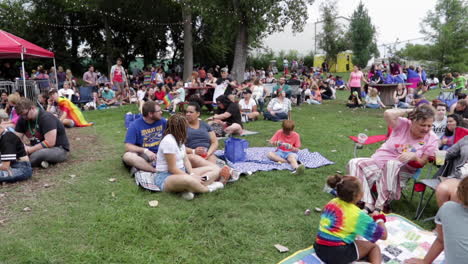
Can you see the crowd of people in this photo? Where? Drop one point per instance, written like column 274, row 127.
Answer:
column 177, row 154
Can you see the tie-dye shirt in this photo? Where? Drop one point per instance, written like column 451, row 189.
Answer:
column 341, row 222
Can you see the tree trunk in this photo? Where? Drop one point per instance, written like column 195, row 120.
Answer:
column 108, row 45
column 188, row 48
column 240, row 50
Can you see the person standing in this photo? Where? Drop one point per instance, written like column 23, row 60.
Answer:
column 354, row 82
column 90, row 78
column 118, row 77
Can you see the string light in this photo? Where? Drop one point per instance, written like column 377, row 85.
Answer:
column 209, row 10
column 64, row 26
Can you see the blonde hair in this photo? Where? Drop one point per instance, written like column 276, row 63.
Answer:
column 373, row 92
column 13, row 98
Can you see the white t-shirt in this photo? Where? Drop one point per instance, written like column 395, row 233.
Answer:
column 68, row 93
column 257, row 91
column 439, row 127
column 141, row 95
column 168, row 145
column 247, row 107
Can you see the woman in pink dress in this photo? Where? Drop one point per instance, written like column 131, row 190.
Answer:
column 355, row 78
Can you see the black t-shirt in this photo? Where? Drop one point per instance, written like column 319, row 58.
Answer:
column 235, row 117
column 293, row 82
column 11, row 147
column 229, row 88
column 45, row 123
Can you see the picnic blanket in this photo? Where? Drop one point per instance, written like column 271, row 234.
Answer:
column 405, row 240
column 257, row 160
column 244, row 133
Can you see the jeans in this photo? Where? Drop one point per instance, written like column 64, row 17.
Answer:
column 276, row 117
column 373, row 106
column 312, row 101
column 51, row 155
column 261, row 104
column 402, row 105
column 19, row 171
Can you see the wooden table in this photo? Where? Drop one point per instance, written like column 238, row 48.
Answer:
column 386, row 92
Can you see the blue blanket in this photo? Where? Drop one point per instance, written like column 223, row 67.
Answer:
column 257, row 160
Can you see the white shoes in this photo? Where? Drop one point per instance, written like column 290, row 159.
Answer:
column 215, row 186
column 188, row 196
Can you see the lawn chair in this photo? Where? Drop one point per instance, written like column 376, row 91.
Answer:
column 422, row 185
column 369, row 141
column 86, row 95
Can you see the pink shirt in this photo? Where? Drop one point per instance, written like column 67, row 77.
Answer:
column 355, row 79
column 293, row 138
column 400, row 141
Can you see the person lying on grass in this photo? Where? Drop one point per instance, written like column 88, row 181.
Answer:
column 341, row 221
column 53, row 108
column 174, row 173
column 287, row 143
column 451, row 230
column 14, row 165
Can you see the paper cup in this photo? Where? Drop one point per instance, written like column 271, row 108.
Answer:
column 362, row 138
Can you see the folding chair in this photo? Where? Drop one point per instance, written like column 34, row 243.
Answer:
column 86, row 95
column 432, row 183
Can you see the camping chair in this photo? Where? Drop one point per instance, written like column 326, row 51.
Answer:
column 369, row 141
column 447, row 96
column 86, row 95
column 421, row 186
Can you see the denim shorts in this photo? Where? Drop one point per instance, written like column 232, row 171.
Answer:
column 160, row 178
column 285, row 154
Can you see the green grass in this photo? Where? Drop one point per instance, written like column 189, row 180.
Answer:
column 78, row 220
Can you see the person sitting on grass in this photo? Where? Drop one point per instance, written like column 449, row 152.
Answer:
column 179, row 96
column 229, row 116
column 287, row 143
column 174, row 173
column 451, row 234
column 53, row 108
column 339, row 83
column 143, row 138
column 14, row 165
column 354, row 101
column 446, row 140
column 279, row 108
column 373, row 99
column 108, row 96
column 342, row 221
column 399, row 97
column 315, row 96
column 45, row 133
column 248, row 106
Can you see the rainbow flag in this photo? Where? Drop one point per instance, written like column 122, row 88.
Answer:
column 73, row 112
column 168, row 99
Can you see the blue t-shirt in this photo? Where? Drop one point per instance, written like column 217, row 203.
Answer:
column 146, row 135
column 199, row 137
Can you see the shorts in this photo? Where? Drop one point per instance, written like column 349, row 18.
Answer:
column 285, row 154
column 337, row 255
column 160, row 178
column 142, row 155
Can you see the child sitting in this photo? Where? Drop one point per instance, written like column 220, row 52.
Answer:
column 354, row 101
column 288, row 143
column 179, row 96
column 341, row 221
column 315, row 96
column 339, row 83
column 373, row 99
column 451, row 236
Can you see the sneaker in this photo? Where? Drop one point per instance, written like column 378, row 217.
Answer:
column 45, row 164
column 235, row 175
column 215, row 186
column 188, row 196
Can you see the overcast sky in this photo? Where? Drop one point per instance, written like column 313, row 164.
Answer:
column 393, row 19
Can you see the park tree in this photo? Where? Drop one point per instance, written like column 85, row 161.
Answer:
column 362, row 35
column 447, row 28
column 331, row 38
column 416, row 52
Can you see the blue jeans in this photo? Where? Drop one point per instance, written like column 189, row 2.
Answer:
column 373, row 106
column 276, row 117
column 19, row 171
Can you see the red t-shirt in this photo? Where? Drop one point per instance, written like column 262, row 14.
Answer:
column 293, row 138
column 159, row 95
column 118, row 75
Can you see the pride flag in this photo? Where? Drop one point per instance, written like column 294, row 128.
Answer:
column 168, row 99
column 73, row 112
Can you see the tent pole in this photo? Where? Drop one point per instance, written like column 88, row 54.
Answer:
column 56, row 78
column 24, row 74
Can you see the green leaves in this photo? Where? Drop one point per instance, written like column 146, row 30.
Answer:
column 362, row 35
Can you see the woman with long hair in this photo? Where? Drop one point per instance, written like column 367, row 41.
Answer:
column 174, row 173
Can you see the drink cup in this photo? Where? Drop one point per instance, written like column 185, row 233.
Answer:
column 362, row 138
column 440, row 157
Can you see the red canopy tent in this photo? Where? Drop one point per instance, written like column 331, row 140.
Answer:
column 13, row 47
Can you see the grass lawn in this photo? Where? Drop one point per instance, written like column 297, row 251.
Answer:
column 78, row 216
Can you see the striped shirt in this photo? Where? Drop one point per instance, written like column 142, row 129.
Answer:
column 11, row 147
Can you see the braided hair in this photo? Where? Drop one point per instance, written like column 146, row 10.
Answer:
column 177, row 127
